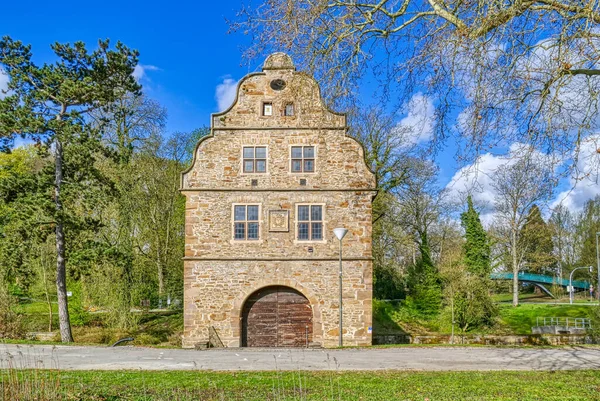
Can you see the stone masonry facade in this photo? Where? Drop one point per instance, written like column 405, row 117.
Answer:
column 277, row 109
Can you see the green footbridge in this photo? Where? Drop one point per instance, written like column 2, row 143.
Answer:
column 540, row 281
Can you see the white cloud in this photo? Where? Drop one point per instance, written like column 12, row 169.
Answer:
column 225, row 93
column 584, row 183
column 477, row 179
column 21, row 142
column 420, row 118
column 139, row 72
column 3, row 83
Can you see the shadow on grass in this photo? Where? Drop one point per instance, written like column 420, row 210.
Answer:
column 384, row 324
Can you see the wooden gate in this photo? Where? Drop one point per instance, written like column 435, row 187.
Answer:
column 276, row 317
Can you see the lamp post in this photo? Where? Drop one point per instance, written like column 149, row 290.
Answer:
column 571, row 281
column 340, row 233
column 598, row 268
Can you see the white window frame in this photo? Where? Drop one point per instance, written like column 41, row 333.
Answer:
column 290, row 171
column 233, row 221
column 285, row 105
column 297, row 222
column 243, row 172
column 263, row 109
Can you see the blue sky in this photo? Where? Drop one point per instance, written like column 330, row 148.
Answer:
column 186, row 42
column 189, row 62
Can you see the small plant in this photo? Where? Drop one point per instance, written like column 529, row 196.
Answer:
column 10, row 322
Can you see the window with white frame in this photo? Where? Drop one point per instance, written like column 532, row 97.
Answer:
column 267, row 109
column 309, row 222
column 255, row 159
column 246, row 222
column 303, row 159
column 288, row 111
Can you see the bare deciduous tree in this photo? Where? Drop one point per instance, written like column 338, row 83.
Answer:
column 519, row 186
column 563, row 228
column 129, row 122
column 500, row 72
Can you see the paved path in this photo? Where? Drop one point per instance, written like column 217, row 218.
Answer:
column 404, row 358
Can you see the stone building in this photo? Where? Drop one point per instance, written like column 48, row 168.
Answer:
column 265, row 190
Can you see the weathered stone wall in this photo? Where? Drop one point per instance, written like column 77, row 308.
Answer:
column 339, row 162
column 220, row 272
column 215, row 292
column 209, row 225
column 532, row 339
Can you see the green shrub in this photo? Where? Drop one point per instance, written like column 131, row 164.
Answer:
column 77, row 313
column 10, row 321
column 146, row 339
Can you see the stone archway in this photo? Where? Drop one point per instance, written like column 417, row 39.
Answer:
column 277, row 316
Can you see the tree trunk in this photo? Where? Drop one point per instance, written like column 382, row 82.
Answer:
column 43, row 265
column 515, row 267
column 160, row 273
column 61, row 271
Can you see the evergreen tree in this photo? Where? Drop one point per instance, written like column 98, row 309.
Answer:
column 51, row 104
column 476, row 248
column 537, row 244
column 427, row 287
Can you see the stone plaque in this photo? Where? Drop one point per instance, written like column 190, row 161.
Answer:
column 279, row 221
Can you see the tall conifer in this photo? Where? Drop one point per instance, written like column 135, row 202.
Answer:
column 477, row 244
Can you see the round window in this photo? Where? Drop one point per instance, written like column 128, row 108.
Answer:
column 277, row 84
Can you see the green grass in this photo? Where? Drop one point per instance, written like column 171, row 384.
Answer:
column 164, row 329
column 519, row 320
column 298, row 385
column 154, row 328
column 504, row 297
column 35, row 307
column 395, row 318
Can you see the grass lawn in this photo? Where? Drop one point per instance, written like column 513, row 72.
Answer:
column 519, row 320
column 165, row 328
column 394, row 318
column 154, row 328
column 522, row 297
column 439, row 386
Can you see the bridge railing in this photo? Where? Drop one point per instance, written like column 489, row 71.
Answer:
column 574, row 322
column 539, row 278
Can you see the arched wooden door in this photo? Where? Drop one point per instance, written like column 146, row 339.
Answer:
column 276, row 317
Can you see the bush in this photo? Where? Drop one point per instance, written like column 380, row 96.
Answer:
column 175, row 339
column 10, row 322
column 473, row 306
column 388, row 283
column 595, row 318
column 97, row 335
column 427, row 295
column 146, row 339
column 77, row 313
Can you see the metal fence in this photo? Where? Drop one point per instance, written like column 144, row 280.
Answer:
column 574, row 322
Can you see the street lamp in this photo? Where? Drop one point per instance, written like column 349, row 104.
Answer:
column 571, row 281
column 340, row 233
column 598, row 267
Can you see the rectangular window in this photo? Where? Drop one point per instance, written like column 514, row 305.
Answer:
column 267, row 109
column 303, row 159
column 310, row 222
column 246, row 222
column 289, row 110
column 255, row 159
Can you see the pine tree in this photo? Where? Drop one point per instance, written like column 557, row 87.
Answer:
column 477, row 244
column 52, row 104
